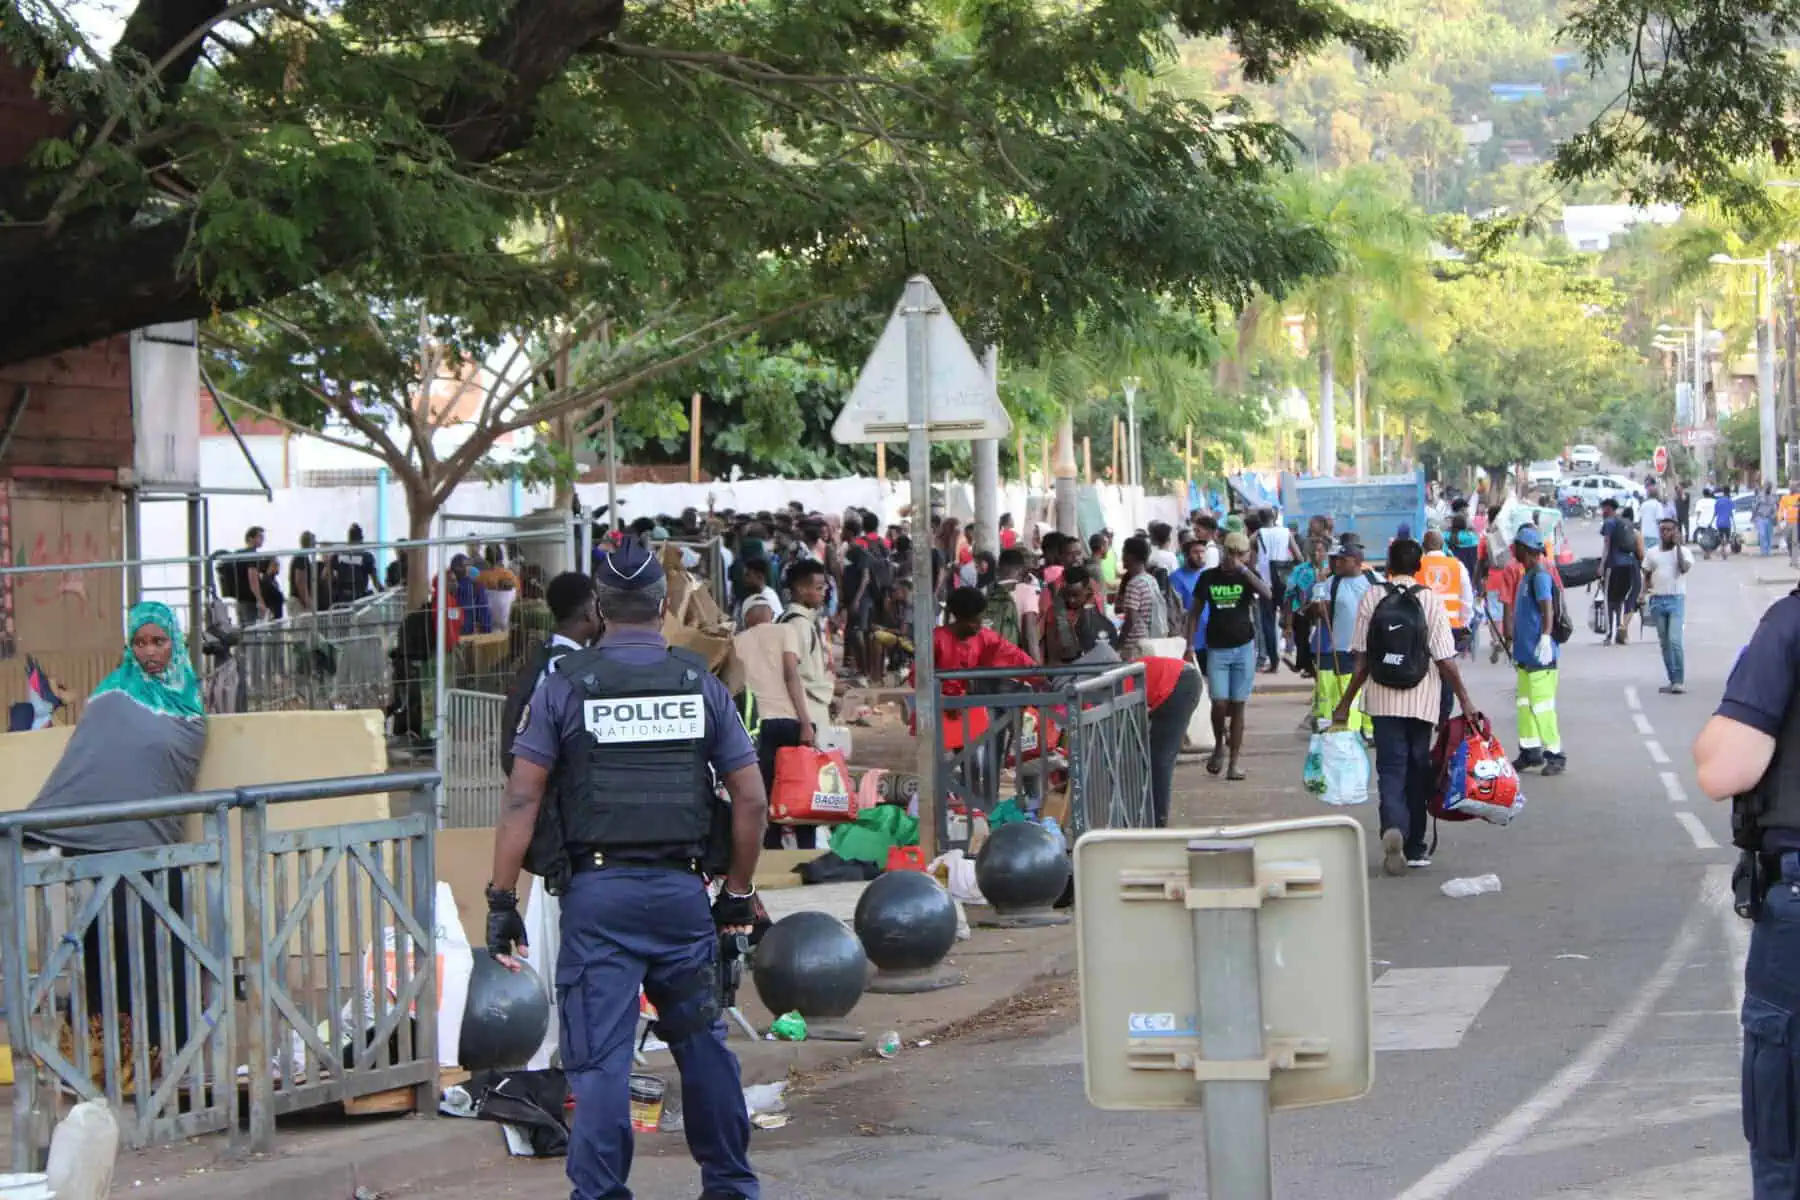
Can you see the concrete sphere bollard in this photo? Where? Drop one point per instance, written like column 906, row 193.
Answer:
column 810, row 963
column 907, row 924
column 1022, row 870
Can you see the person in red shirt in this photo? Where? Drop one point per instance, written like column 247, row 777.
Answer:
column 1009, row 537
column 963, row 643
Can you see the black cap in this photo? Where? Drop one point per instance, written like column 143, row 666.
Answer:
column 1348, row 544
column 630, row 568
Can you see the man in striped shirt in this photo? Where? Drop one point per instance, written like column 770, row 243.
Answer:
column 1405, row 718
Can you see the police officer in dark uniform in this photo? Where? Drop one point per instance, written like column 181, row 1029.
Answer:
column 1749, row 753
column 636, row 732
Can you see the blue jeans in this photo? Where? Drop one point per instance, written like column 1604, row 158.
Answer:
column 623, row 927
column 1667, row 612
column 1231, row 673
column 1404, row 775
column 1772, row 1039
column 1765, row 535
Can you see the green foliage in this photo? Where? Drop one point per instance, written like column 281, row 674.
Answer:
column 990, row 143
column 1740, row 446
column 1709, row 88
column 1531, row 351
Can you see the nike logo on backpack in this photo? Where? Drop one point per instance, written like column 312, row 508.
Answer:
column 1391, row 628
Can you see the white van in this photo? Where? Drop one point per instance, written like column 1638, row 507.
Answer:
column 1584, row 458
column 1545, row 475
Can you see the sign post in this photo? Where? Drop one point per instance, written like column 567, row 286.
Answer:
column 924, row 607
column 922, row 379
column 1231, row 1023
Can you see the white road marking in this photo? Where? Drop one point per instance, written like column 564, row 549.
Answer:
column 1695, row 830
column 1430, row 1008
column 1643, row 724
column 1657, row 753
column 1672, row 785
column 1631, row 699
column 1516, row 1126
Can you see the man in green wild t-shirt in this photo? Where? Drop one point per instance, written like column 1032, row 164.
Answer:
column 1229, row 594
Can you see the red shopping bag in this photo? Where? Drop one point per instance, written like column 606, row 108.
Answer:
column 1475, row 781
column 812, row 787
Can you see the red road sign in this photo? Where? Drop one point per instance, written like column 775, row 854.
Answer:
column 1660, row 460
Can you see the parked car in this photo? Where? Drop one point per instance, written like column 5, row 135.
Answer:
column 1584, row 458
column 1544, row 476
column 1590, row 490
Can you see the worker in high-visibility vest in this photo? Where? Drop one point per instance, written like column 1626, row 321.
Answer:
column 1445, row 575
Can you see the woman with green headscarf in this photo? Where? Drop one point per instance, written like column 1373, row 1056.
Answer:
column 139, row 738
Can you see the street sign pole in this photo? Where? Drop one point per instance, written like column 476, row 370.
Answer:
column 918, row 466
column 1234, row 1092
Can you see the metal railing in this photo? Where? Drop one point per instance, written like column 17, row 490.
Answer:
column 158, row 978
column 335, row 659
column 1029, row 733
column 1109, row 752
column 473, row 780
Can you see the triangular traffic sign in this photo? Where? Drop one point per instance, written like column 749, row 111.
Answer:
column 961, row 403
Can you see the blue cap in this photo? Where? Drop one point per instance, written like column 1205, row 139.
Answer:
column 630, row 568
column 1529, row 537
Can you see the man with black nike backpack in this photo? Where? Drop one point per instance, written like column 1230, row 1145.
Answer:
column 1404, row 644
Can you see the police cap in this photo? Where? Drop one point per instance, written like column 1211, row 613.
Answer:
column 630, row 568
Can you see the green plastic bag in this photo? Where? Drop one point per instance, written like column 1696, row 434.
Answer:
column 873, row 833
column 1006, row 812
column 789, row 1027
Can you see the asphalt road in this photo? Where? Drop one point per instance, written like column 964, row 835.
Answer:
column 1581, row 1040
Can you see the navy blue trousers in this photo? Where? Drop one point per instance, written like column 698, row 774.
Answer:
column 621, row 928
column 1772, row 1040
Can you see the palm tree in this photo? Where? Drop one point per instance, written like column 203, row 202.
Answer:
column 1382, row 241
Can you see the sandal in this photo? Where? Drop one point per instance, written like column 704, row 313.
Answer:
column 1215, row 763
column 1236, row 773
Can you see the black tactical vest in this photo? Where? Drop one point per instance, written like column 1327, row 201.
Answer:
column 636, row 780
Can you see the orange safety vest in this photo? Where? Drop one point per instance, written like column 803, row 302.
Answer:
column 1438, row 572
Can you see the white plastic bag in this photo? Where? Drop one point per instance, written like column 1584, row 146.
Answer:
column 1346, row 768
column 455, row 965
column 956, row 871
column 543, row 933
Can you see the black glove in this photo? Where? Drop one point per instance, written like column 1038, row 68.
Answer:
column 505, row 928
column 729, row 910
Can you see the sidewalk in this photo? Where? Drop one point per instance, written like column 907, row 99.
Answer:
column 325, row 1156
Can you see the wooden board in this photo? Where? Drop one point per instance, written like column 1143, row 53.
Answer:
column 402, row 1099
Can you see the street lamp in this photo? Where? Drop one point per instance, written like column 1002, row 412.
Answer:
column 1134, row 467
column 1765, row 355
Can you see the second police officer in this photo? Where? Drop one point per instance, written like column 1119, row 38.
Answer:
column 636, row 732
column 1749, row 752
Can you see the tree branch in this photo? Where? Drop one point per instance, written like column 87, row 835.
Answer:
column 69, row 291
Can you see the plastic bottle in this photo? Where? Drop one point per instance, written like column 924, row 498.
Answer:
column 889, row 1045
column 1476, row 886
column 1051, row 824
